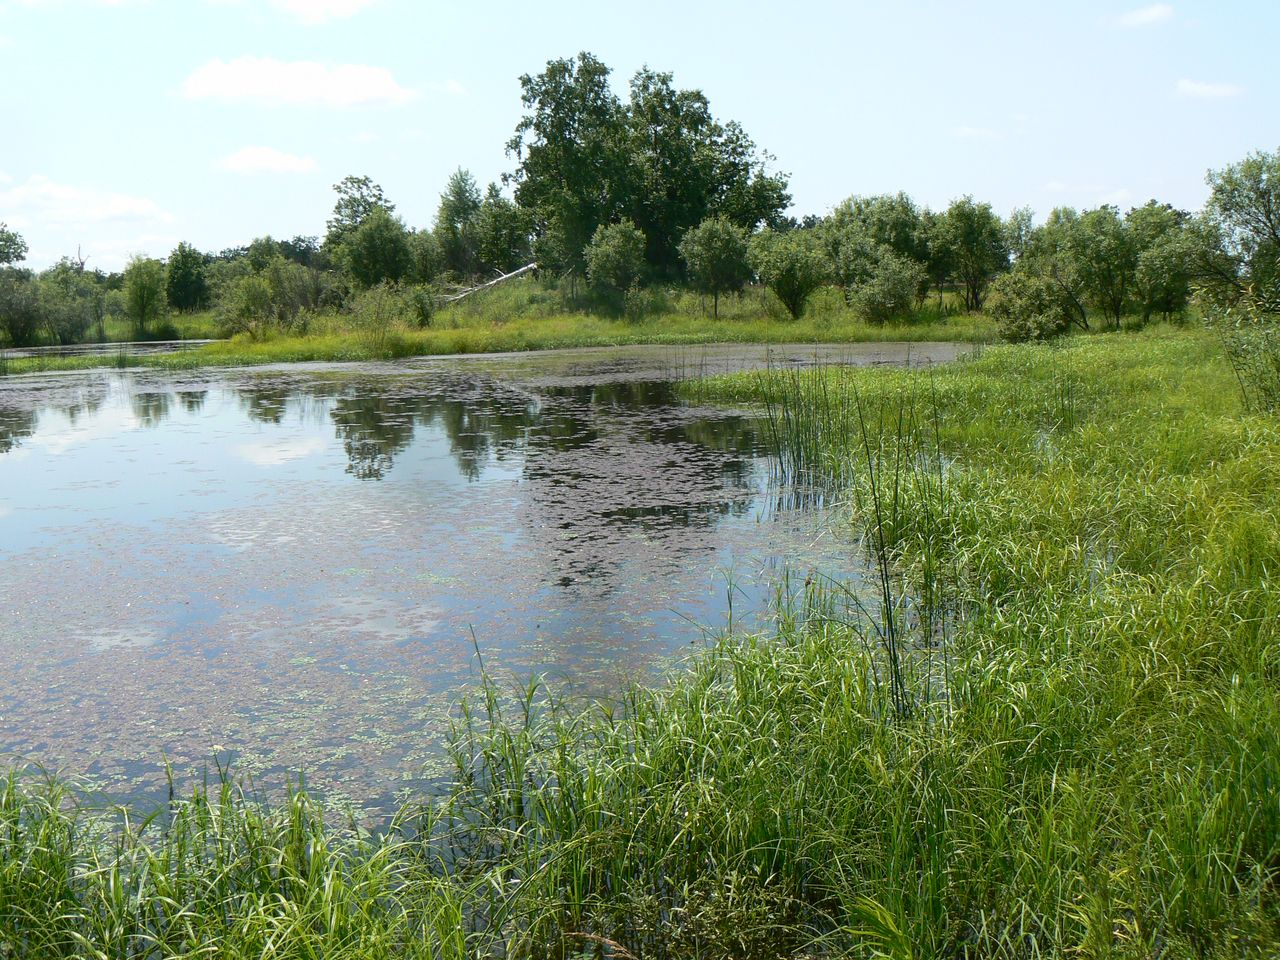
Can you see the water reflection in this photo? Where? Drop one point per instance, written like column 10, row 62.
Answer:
column 292, row 565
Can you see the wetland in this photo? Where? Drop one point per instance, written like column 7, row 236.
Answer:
column 301, row 569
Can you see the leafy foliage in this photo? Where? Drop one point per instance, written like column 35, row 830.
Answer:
column 715, row 253
column 145, row 299
column 792, row 264
column 890, row 289
column 378, row 250
column 661, row 160
column 185, row 284
column 13, row 248
column 615, row 257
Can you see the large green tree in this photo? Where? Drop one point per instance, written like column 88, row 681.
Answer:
column 358, row 197
column 1107, row 258
column 661, row 160
column 572, row 157
column 144, row 294
column 1244, row 208
column 501, row 229
column 615, row 256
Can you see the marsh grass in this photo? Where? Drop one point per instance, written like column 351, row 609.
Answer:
column 1079, row 757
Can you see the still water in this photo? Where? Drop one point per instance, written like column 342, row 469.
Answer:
column 299, row 568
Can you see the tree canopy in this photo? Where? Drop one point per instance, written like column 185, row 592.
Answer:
column 660, row 160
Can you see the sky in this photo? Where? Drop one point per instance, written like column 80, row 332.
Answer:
column 129, row 125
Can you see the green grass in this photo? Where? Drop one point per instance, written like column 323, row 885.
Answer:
column 530, row 316
column 1053, row 729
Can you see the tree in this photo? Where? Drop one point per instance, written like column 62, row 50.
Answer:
column 455, row 219
column 1244, row 207
column 378, row 249
column 892, row 221
column 661, row 160
column 144, row 294
column 1165, row 256
column 19, row 307
column 684, row 166
column 715, row 252
column 1050, row 253
column 501, row 230
column 187, row 287
column 791, row 264
column 615, row 256
column 71, row 301
column 13, row 249
column 358, row 197
column 1107, row 258
column 973, row 240
column 426, row 257
column 572, row 155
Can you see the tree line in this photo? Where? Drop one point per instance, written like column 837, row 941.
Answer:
column 620, row 192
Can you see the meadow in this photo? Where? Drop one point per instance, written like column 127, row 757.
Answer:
column 1052, row 727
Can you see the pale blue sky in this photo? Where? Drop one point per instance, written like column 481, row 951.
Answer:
column 127, row 125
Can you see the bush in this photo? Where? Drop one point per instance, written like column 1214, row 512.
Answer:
column 890, row 290
column 793, row 265
column 615, row 257
column 1249, row 325
column 1027, row 306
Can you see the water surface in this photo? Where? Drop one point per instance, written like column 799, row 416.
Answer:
column 300, row 567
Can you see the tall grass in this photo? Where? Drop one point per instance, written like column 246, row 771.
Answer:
column 220, row 873
column 1079, row 754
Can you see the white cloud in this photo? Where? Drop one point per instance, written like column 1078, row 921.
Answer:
column 1208, row 91
column 1117, row 198
column 975, row 133
column 279, row 452
column 1146, row 16
column 299, row 82
column 5, row 41
column 266, row 160
column 5, row 178
column 1055, row 186
column 47, row 203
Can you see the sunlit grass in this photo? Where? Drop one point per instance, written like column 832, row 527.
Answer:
column 531, row 317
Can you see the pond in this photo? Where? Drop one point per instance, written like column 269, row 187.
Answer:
column 302, row 567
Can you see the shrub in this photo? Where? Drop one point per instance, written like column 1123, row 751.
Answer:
column 793, row 265
column 1027, row 306
column 890, row 290
column 716, row 254
column 615, row 257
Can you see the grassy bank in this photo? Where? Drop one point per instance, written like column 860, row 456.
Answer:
column 1055, row 733
column 532, row 317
